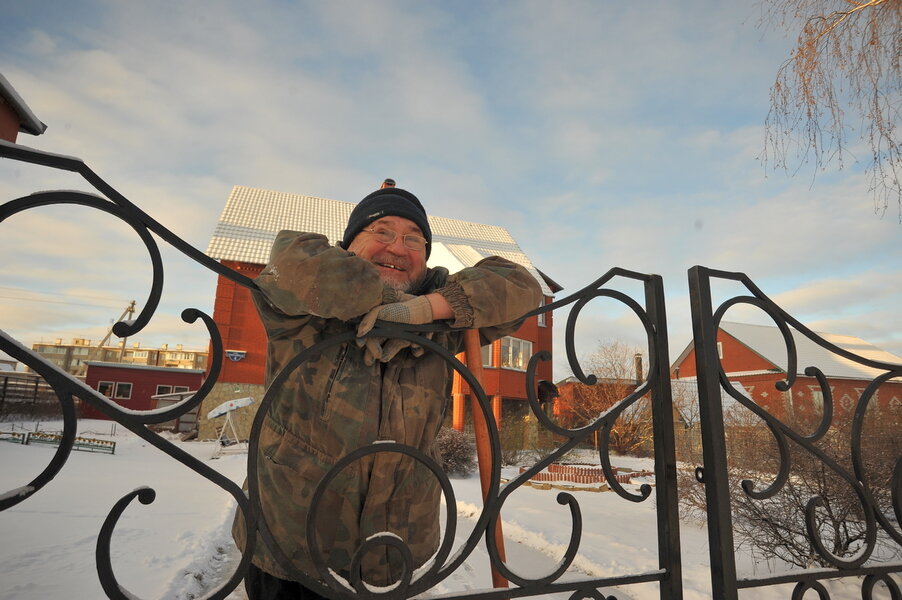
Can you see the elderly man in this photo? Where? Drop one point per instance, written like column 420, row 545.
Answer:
column 354, row 394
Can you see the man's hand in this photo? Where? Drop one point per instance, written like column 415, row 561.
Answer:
column 415, row 311
column 382, row 350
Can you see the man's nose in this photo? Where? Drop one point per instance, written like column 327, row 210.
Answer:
column 397, row 246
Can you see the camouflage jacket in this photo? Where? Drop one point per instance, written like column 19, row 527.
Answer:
column 335, row 403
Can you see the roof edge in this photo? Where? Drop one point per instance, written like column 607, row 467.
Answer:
column 29, row 122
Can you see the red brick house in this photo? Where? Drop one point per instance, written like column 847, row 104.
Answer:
column 242, row 239
column 132, row 386
column 15, row 116
column 755, row 356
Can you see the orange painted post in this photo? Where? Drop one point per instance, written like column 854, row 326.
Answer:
column 483, row 448
column 458, row 410
column 496, row 410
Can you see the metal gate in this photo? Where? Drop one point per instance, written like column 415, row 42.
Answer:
column 650, row 312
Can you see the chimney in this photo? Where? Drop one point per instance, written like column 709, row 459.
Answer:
column 637, row 361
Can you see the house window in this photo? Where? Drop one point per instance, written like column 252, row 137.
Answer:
column 163, row 389
column 515, row 353
column 123, row 390
column 487, row 355
column 105, row 388
column 179, row 389
column 541, row 316
column 140, row 354
column 720, row 350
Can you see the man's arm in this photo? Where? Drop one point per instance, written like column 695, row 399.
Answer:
column 492, row 296
column 306, row 275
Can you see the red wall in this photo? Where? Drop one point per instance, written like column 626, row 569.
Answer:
column 144, row 385
column 739, row 358
column 9, row 123
column 240, row 327
column 736, row 357
column 511, row 383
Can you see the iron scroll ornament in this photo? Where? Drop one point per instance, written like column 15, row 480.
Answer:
column 712, row 378
column 66, row 387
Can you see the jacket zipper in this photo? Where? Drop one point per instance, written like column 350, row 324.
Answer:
column 339, row 363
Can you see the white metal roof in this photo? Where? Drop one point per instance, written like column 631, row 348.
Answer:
column 252, row 217
column 767, row 342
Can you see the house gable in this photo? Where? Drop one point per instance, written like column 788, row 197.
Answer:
column 735, row 357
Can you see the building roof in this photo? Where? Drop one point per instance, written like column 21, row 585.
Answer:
column 252, row 217
column 28, row 122
column 767, row 342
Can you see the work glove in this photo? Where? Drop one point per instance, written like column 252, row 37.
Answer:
column 391, row 347
column 415, row 311
column 382, row 350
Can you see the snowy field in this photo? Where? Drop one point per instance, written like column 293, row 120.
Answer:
column 179, row 546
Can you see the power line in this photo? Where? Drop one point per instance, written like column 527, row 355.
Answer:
column 19, row 289
column 60, row 302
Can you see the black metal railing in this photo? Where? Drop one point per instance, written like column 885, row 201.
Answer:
column 650, row 311
column 796, row 447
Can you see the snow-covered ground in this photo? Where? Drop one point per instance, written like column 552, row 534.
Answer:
column 179, row 546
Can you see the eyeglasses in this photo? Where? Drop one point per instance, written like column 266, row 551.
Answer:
column 387, row 236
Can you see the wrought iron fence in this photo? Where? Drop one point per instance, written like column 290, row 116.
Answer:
column 730, row 496
column 650, row 312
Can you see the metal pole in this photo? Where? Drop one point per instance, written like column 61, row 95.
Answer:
column 714, row 451
column 669, row 557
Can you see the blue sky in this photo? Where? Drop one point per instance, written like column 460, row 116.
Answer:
column 600, row 134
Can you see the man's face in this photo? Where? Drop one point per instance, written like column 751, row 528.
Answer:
column 399, row 267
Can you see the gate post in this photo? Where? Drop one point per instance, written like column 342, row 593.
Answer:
column 669, row 557
column 714, row 471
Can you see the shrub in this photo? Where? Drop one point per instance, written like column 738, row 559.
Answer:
column 457, row 452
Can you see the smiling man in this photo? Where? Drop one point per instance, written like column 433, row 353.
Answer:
column 368, row 390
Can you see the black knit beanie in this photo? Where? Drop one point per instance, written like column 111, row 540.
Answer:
column 383, row 203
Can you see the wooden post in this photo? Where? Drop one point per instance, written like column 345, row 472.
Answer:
column 483, row 448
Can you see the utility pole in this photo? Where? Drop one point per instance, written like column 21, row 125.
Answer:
column 131, row 311
column 82, row 368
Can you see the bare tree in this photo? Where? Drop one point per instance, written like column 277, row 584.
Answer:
column 774, row 528
column 687, row 421
column 846, row 63
column 613, row 363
